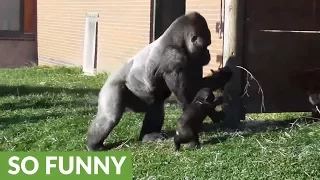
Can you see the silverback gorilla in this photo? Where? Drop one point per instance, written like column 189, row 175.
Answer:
column 171, row 64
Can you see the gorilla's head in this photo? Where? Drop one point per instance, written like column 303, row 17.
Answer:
column 197, row 37
column 205, row 95
column 191, row 32
column 314, row 99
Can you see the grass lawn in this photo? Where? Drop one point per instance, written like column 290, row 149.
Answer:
column 47, row 109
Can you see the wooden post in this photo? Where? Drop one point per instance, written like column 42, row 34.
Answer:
column 233, row 56
column 29, row 16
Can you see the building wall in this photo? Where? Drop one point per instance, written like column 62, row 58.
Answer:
column 123, row 29
column 211, row 10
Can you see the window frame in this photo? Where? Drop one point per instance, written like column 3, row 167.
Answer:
column 20, row 32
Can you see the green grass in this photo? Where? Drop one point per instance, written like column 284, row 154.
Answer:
column 47, row 109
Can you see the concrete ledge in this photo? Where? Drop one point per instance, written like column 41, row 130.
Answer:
column 43, row 61
column 15, row 54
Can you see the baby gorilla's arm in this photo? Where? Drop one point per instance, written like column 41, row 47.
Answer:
column 214, row 115
column 218, row 101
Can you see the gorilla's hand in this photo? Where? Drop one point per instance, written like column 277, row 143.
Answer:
column 218, row 79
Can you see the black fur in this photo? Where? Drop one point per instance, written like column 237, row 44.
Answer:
column 307, row 82
column 171, row 64
column 189, row 123
column 218, row 79
column 314, row 99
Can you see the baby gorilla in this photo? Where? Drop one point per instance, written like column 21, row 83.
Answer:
column 189, row 123
column 307, row 82
column 314, row 99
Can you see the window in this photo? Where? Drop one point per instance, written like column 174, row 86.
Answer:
column 10, row 15
column 17, row 17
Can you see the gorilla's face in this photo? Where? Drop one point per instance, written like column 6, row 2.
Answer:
column 197, row 43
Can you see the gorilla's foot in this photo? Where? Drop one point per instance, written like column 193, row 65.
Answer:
column 194, row 145
column 315, row 114
column 153, row 137
column 216, row 121
column 231, row 126
column 177, row 143
column 177, row 148
column 97, row 147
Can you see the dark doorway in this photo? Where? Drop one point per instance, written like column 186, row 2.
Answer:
column 165, row 12
column 281, row 39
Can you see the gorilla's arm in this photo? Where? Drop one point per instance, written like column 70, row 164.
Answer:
column 214, row 115
column 175, row 75
column 218, row 79
column 176, row 82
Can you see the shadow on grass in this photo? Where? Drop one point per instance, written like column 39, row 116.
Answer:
column 114, row 145
column 17, row 119
column 5, row 122
column 43, row 103
column 248, row 128
column 118, row 144
column 23, row 90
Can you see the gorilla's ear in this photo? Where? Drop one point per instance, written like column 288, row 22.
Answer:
column 194, row 38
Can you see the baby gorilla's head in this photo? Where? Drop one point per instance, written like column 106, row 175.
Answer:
column 205, row 96
column 314, row 99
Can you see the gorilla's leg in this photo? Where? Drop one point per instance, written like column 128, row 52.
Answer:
column 316, row 112
column 110, row 110
column 152, row 123
column 177, row 143
column 195, row 143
